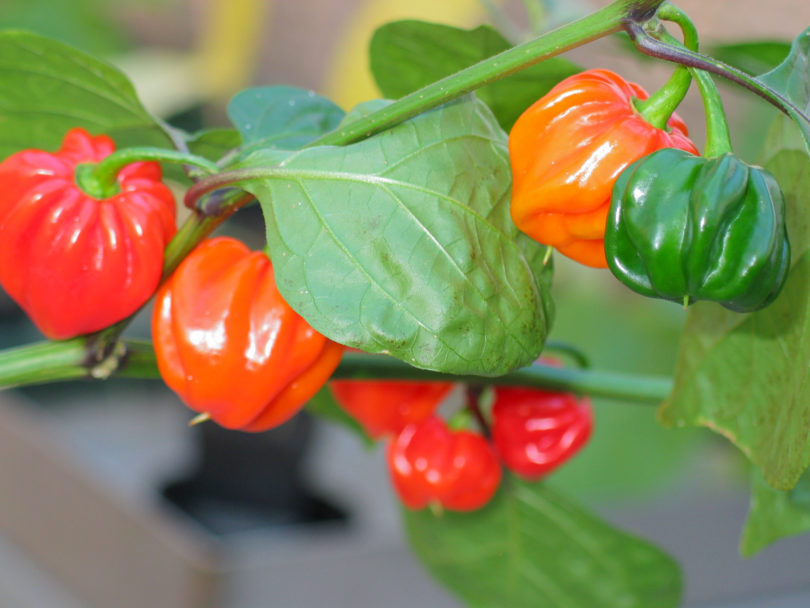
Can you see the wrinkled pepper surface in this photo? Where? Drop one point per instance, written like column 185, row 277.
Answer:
column 74, row 263
column 536, row 431
column 687, row 228
column 230, row 346
column 566, row 152
column 431, row 463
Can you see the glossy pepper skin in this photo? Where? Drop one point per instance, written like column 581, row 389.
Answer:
column 74, row 263
column 230, row 346
column 683, row 226
column 567, row 150
column 385, row 407
column 535, row 431
column 430, row 463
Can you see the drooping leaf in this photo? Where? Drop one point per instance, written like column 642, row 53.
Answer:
column 790, row 78
column 775, row 514
column 282, row 117
column 530, row 547
column 407, row 55
column 403, row 244
column 49, row 87
column 747, row 377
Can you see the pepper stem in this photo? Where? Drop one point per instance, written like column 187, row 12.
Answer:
column 718, row 141
column 658, row 108
column 100, row 180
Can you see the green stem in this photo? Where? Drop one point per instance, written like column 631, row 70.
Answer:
column 53, row 361
column 649, row 45
column 658, row 108
column 100, row 180
column 718, row 138
column 574, row 353
column 43, row 362
column 608, row 20
column 624, row 387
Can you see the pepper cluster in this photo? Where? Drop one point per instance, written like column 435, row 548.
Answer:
column 432, row 462
column 596, row 179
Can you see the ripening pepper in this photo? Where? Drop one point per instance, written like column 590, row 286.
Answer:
column 566, row 152
column 230, row 346
column 75, row 263
column 385, row 407
column 688, row 228
column 431, row 463
column 535, row 431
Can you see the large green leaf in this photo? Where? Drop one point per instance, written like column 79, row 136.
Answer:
column 530, row 547
column 407, row 55
column 282, row 117
column 403, row 244
column 775, row 514
column 49, row 87
column 747, row 377
column 791, row 78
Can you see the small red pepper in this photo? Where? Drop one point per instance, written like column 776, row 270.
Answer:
column 429, row 463
column 535, row 431
column 230, row 346
column 74, row 263
column 567, row 150
column 385, row 407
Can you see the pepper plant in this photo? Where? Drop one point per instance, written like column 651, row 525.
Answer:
column 419, row 232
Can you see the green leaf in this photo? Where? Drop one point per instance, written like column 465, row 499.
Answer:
column 282, row 117
column 530, row 547
column 213, row 144
column 747, row 377
column 753, row 57
column 403, row 244
column 790, row 78
column 775, row 514
column 49, row 87
column 407, row 55
column 324, row 406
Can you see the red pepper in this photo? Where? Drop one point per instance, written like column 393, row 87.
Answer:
column 74, row 263
column 430, row 463
column 567, row 150
column 385, row 407
column 536, row 431
column 230, row 346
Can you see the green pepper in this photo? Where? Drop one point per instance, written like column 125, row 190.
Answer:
column 684, row 228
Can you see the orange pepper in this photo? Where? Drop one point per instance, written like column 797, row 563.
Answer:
column 567, row 150
column 230, row 346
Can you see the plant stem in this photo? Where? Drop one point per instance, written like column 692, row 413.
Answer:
column 614, row 385
column 608, row 20
column 43, row 362
column 67, row 360
column 653, row 47
column 718, row 139
column 100, row 179
column 473, row 404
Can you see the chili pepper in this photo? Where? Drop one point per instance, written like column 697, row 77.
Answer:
column 687, row 228
column 567, row 150
column 429, row 463
column 74, row 263
column 385, row 407
column 535, row 431
column 230, row 346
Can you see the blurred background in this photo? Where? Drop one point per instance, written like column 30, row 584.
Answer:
column 108, row 499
